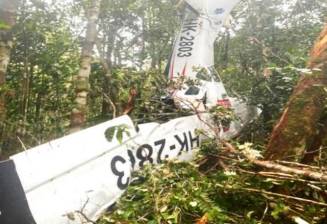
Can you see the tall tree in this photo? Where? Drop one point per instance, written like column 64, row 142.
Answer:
column 8, row 9
column 302, row 127
column 78, row 115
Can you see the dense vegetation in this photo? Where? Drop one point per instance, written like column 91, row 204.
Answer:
column 261, row 54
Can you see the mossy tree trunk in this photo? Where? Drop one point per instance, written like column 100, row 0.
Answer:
column 301, row 130
column 8, row 9
column 78, row 115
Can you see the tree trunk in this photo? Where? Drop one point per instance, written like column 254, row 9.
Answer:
column 142, row 44
column 226, row 50
column 302, row 126
column 110, row 60
column 8, row 9
column 78, row 115
column 107, row 102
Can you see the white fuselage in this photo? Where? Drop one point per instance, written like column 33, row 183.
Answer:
column 193, row 53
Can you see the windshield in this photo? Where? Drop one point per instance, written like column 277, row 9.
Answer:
column 214, row 74
column 208, row 74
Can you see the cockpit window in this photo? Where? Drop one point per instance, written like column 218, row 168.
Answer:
column 203, row 74
column 208, row 74
column 192, row 90
column 214, row 74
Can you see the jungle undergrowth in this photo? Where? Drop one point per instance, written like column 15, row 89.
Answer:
column 215, row 188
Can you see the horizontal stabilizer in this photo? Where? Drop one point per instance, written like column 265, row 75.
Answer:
column 212, row 7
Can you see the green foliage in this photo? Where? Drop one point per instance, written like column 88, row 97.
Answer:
column 4, row 25
column 178, row 192
column 43, row 61
column 118, row 132
column 279, row 209
column 183, row 196
column 222, row 115
column 260, row 57
column 147, row 103
column 45, row 58
column 273, row 33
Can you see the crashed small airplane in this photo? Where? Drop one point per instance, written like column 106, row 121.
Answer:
column 74, row 179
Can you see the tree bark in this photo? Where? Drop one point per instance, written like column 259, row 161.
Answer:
column 78, row 115
column 302, row 125
column 301, row 170
column 8, row 9
column 226, row 50
column 106, row 58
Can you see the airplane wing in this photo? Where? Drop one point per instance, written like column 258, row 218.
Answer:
column 76, row 178
column 67, row 178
